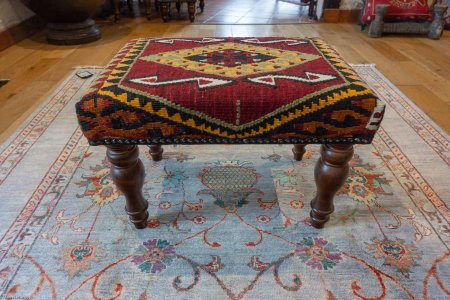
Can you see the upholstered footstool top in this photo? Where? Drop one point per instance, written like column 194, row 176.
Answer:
column 228, row 90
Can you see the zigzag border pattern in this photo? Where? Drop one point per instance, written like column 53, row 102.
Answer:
column 124, row 59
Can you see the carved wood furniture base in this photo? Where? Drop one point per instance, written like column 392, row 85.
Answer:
column 330, row 174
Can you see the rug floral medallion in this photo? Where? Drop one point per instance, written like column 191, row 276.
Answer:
column 226, row 222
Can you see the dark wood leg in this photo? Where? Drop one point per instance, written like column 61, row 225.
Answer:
column 148, row 8
column 128, row 174
column 130, row 6
column 202, row 5
column 116, row 7
column 156, row 4
column 165, row 8
column 330, row 174
column 299, row 150
column 178, row 6
column 191, row 10
column 312, row 4
column 156, row 152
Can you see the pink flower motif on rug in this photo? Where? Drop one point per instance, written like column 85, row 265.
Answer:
column 79, row 256
column 263, row 219
column 157, row 255
column 318, row 253
column 395, row 253
column 165, row 205
column 199, row 220
column 99, row 185
column 364, row 184
column 153, row 223
column 297, row 204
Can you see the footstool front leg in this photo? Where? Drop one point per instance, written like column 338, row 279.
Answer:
column 156, row 152
column 127, row 172
column 330, row 174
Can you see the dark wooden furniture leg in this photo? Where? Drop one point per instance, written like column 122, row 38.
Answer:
column 299, row 150
column 311, row 8
column 127, row 172
column 191, row 10
column 165, row 8
column 330, row 174
column 178, row 6
column 130, row 6
column 202, row 5
column 116, row 7
column 156, row 152
column 148, row 8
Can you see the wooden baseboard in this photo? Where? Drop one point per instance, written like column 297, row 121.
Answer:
column 334, row 15
column 15, row 34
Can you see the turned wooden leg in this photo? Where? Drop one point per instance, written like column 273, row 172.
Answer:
column 178, row 6
column 330, row 174
column 312, row 4
column 128, row 174
column 148, row 8
column 202, row 5
column 299, row 150
column 156, row 152
column 116, row 7
column 191, row 11
column 165, row 8
column 130, row 7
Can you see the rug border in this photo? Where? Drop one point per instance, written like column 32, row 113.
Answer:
column 417, row 109
column 55, row 90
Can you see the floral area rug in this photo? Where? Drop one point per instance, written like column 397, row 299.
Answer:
column 226, row 222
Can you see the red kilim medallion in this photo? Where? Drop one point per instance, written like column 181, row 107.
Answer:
column 236, row 90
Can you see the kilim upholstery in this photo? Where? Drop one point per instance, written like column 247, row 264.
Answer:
column 229, row 90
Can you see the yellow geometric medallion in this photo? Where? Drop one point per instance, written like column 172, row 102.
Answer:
column 242, row 59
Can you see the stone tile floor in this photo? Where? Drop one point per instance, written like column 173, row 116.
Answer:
column 241, row 12
column 253, row 12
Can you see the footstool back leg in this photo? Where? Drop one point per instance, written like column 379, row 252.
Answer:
column 299, row 150
column 127, row 172
column 330, row 174
column 156, row 152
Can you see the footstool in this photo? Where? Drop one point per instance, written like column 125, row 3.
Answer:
column 229, row 91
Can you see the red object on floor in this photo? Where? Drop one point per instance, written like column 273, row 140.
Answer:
column 408, row 10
